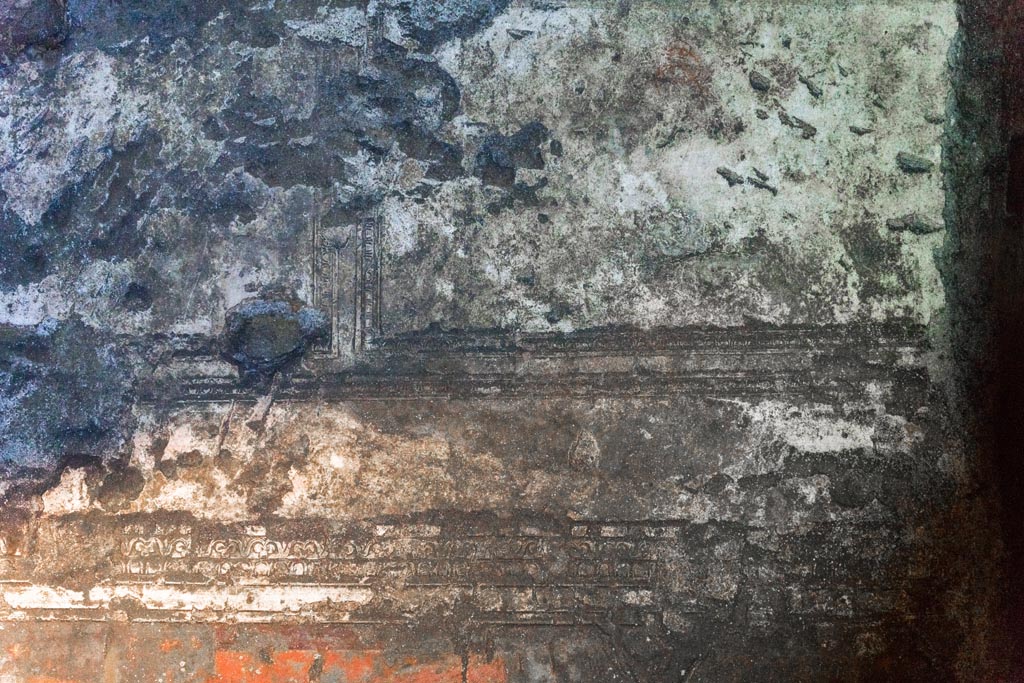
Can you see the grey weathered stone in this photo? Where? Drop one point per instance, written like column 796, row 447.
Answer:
column 913, row 163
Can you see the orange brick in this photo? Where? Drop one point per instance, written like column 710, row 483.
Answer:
column 486, row 672
column 232, row 667
column 291, row 666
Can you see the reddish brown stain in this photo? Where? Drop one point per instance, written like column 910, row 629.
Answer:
column 681, row 65
column 169, row 645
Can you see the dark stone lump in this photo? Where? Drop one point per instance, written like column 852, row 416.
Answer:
column 263, row 336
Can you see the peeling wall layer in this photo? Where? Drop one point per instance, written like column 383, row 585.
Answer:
column 482, row 341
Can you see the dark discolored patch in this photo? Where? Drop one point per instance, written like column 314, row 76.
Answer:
column 25, row 253
column 262, row 336
column 66, row 388
column 914, row 223
column 560, row 310
column 913, row 163
column 114, row 25
column 120, row 487
column 237, row 198
column 192, row 458
column 31, row 23
column 402, row 101
column 850, row 490
column 878, row 260
column 500, row 155
column 98, row 217
column 137, row 297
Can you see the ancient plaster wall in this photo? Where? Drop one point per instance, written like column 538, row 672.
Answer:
column 562, row 340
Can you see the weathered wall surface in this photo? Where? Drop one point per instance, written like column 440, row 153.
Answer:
column 485, row 340
column 560, row 164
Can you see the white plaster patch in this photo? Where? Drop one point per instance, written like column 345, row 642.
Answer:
column 401, row 227
column 91, row 112
column 640, row 192
column 183, row 439
column 345, row 25
column 70, row 495
column 32, row 303
column 271, row 601
column 810, row 429
column 213, row 498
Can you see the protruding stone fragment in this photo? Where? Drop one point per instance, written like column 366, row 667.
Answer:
column 731, row 177
column 812, row 87
column 262, row 336
column 760, row 82
column 762, row 185
column 807, row 130
column 912, row 163
column 914, row 223
column 860, row 130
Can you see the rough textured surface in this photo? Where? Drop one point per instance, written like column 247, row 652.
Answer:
column 497, row 341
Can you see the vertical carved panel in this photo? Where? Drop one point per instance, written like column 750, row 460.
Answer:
column 346, row 281
column 367, row 315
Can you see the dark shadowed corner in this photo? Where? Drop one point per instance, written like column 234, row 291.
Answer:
column 984, row 274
